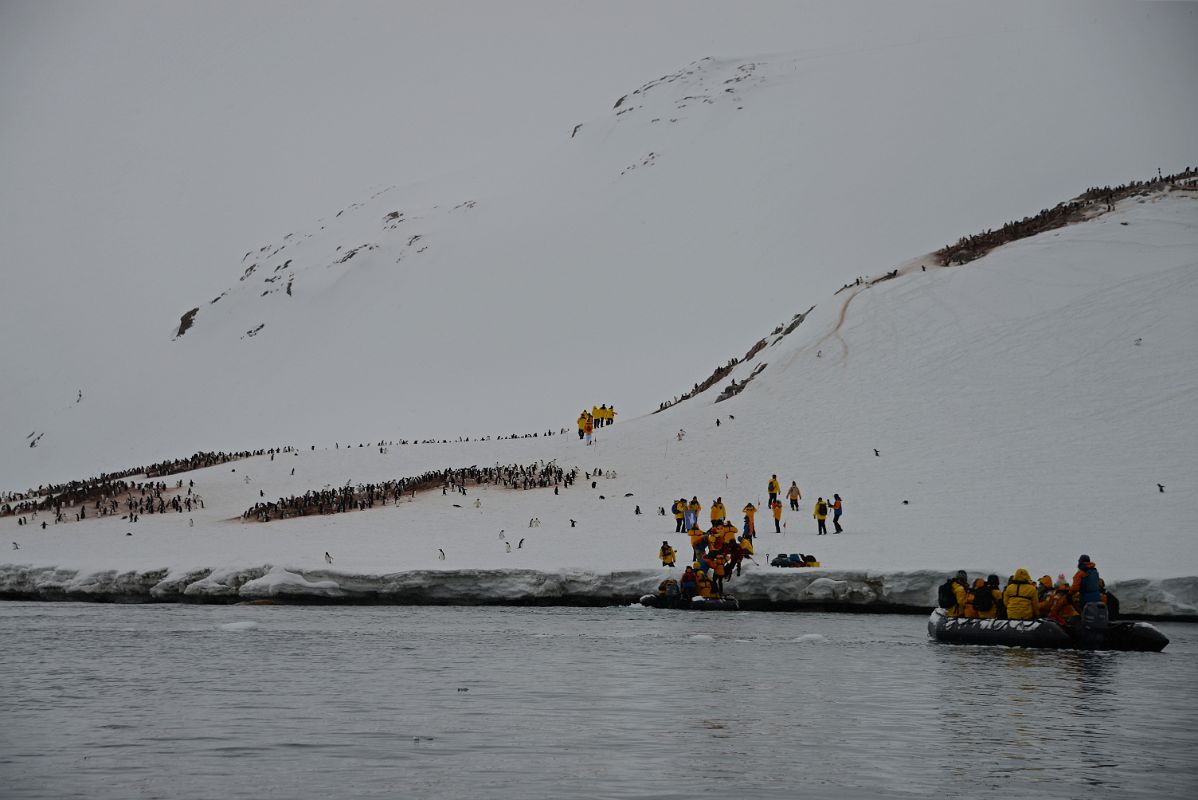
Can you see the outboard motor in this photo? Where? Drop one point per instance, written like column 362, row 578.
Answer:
column 1094, row 624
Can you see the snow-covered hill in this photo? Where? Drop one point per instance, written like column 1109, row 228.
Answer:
column 659, row 236
column 1023, row 409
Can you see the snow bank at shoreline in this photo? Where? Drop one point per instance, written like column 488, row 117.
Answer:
column 845, row 590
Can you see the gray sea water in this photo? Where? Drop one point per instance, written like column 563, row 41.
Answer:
column 174, row 701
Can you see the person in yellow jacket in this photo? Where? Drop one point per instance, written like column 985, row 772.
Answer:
column 698, row 542
column 718, row 514
column 582, row 424
column 1020, row 597
column 777, row 512
column 679, row 509
column 744, row 549
column 773, row 488
column 714, row 539
column 719, row 569
column 611, row 414
column 750, row 511
column 667, row 554
column 729, row 535
column 981, row 602
column 821, row 515
column 703, row 583
column 957, row 586
column 794, row 495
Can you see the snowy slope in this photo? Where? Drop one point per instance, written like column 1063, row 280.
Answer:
column 1025, row 406
column 693, row 214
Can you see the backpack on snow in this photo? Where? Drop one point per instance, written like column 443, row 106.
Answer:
column 945, row 596
column 983, row 599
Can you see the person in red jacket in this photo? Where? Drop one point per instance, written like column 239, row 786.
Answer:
column 688, row 583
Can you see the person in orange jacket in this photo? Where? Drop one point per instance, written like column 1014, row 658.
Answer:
column 1059, row 605
column 836, row 510
column 777, row 517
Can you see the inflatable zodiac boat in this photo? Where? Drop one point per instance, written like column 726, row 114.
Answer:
column 694, row 604
column 1097, row 635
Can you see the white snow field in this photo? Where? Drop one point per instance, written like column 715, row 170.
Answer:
column 1024, row 408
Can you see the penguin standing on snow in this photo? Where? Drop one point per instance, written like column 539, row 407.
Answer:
column 328, row 559
column 440, row 554
column 508, row 545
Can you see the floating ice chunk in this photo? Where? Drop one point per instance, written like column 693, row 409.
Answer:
column 810, row 637
column 239, row 626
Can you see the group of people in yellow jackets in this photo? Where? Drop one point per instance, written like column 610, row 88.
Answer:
column 716, row 554
column 597, row 417
column 1021, row 599
column 718, row 551
column 686, row 513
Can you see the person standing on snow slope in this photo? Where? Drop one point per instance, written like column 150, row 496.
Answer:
column 821, row 514
column 750, row 527
column 836, row 511
column 679, row 509
column 777, row 517
column 773, row 488
column 794, row 495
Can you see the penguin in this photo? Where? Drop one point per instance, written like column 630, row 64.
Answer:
column 440, row 554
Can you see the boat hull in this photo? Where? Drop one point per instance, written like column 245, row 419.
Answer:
column 697, row 604
column 1042, row 633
